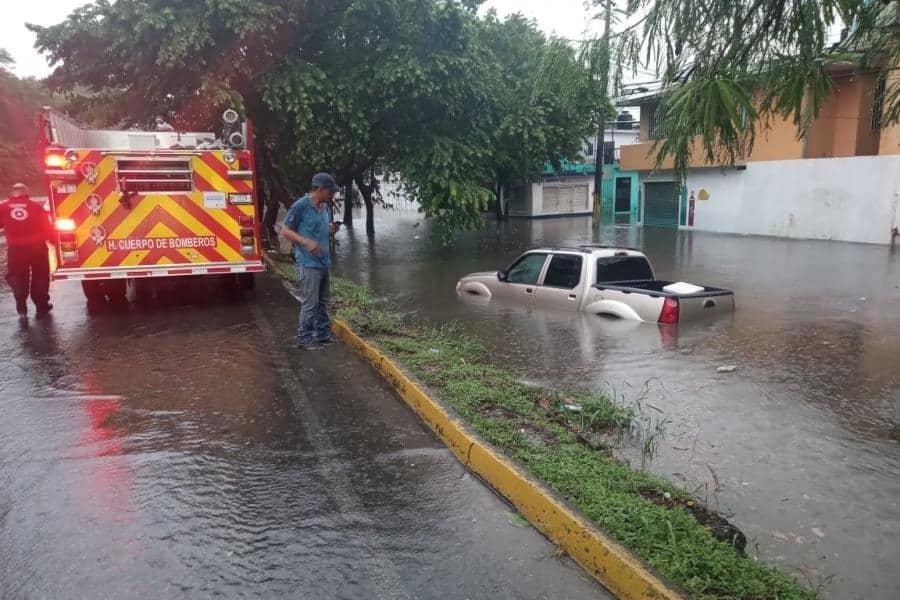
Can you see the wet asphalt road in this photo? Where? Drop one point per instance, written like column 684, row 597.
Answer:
column 191, row 452
column 800, row 446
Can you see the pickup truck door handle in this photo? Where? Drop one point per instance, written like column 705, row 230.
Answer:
column 572, row 296
column 529, row 291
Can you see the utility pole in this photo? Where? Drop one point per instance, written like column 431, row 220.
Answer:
column 605, row 59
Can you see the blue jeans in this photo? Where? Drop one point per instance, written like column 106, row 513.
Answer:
column 315, row 291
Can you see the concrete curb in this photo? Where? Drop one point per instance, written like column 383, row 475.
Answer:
column 608, row 562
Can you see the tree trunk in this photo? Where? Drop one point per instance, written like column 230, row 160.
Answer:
column 501, row 205
column 348, row 205
column 276, row 195
column 367, row 192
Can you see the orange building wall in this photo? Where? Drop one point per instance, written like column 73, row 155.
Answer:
column 844, row 125
column 779, row 142
column 843, row 128
column 846, row 117
column 820, row 136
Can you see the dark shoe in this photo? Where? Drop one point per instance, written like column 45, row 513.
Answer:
column 326, row 341
column 43, row 311
column 22, row 309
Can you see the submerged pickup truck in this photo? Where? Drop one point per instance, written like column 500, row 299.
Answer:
column 602, row 280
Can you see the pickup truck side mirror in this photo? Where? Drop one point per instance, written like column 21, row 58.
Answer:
column 502, row 275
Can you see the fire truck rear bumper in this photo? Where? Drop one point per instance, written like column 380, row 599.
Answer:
column 161, row 271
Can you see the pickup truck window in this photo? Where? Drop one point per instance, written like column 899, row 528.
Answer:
column 564, row 271
column 527, row 269
column 623, row 268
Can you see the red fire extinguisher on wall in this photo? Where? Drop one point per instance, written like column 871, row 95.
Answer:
column 691, row 203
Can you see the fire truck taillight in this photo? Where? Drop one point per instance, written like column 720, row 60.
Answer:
column 65, row 225
column 68, row 248
column 248, row 241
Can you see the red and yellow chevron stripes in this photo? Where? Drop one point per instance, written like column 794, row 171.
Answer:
column 155, row 229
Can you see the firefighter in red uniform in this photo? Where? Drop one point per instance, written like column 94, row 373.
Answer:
column 28, row 230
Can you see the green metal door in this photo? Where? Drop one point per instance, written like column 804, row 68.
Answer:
column 661, row 204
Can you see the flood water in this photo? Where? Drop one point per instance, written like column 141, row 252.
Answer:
column 190, row 451
column 798, row 446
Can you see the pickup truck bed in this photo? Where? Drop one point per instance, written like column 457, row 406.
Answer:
column 655, row 286
column 706, row 303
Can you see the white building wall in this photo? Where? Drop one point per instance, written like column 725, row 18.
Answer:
column 529, row 201
column 853, row 199
column 581, row 190
column 619, row 138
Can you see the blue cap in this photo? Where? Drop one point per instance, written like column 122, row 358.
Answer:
column 324, row 180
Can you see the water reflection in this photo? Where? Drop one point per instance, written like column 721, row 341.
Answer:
column 805, row 427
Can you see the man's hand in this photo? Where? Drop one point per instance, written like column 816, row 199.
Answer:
column 313, row 247
column 333, row 228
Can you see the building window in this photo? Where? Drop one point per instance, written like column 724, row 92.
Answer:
column 878, row 103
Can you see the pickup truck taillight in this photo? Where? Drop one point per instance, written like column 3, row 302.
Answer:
column 669, row 313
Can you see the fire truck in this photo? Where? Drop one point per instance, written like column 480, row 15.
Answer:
column 131, row 207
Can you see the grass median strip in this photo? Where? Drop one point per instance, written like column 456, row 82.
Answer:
column 653, row 518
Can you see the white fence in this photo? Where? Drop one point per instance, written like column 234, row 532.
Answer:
column 850, row 199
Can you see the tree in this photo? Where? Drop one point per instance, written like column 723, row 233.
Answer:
column 727, row 68
column 544, row 101
column 20, row 102
column 421, row 87
column 392, row 80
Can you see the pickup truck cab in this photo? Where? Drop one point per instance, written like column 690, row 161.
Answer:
column 602, row 280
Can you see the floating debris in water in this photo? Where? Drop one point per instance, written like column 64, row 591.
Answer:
column 726, row 369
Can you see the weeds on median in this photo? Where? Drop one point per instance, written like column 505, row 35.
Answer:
column 554, row 435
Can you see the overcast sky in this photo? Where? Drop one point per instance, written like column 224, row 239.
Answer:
column 565, row 18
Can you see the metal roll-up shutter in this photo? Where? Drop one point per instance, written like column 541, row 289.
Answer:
column 550, row 202
column 661, row 205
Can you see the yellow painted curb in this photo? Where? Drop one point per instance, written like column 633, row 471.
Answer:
column 607, row 561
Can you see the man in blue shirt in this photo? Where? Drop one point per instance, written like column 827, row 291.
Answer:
column 308, row 225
